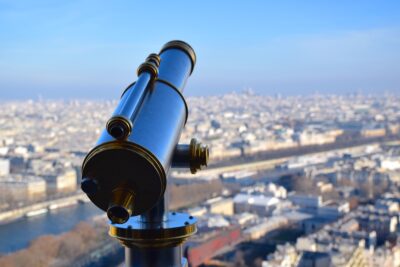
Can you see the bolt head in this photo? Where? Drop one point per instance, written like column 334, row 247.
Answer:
column 89, row 186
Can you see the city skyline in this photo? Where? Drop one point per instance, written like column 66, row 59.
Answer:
column 91, row 50
column 323, row 171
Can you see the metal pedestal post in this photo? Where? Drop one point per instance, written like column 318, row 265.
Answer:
column 155, row 238
column 169, row 256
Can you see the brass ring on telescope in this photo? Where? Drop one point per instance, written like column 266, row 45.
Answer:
column 175, row 231
column 184, row 47
column 153, row 238
column 154, row 58
column 150, row 67
column 122, row 120
column 199, row 155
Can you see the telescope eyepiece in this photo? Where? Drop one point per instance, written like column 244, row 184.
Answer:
column 118, row 214
column 121, row 205
column 119, row 127
column 117, row 131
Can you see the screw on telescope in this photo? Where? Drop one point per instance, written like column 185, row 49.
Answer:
column 89, row 186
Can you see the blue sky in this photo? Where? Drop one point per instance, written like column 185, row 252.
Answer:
column 91, row 49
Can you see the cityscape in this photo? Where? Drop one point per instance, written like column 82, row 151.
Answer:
column 292, row 181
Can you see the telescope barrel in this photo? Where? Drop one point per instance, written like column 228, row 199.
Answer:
column 176, row 66
column 128, row 167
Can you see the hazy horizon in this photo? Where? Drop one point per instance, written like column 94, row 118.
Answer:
column 41, row 97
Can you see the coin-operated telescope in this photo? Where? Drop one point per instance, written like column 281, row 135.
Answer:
column 125, row 174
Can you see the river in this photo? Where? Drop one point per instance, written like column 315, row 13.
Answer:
column 18, row 234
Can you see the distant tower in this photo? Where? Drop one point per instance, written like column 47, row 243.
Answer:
column 370, row 183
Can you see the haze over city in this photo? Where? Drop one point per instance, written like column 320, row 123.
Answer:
column 90, row 49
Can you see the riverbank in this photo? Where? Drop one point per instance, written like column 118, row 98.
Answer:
column 85, row 238
column 19, row 234
column 41, row 208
